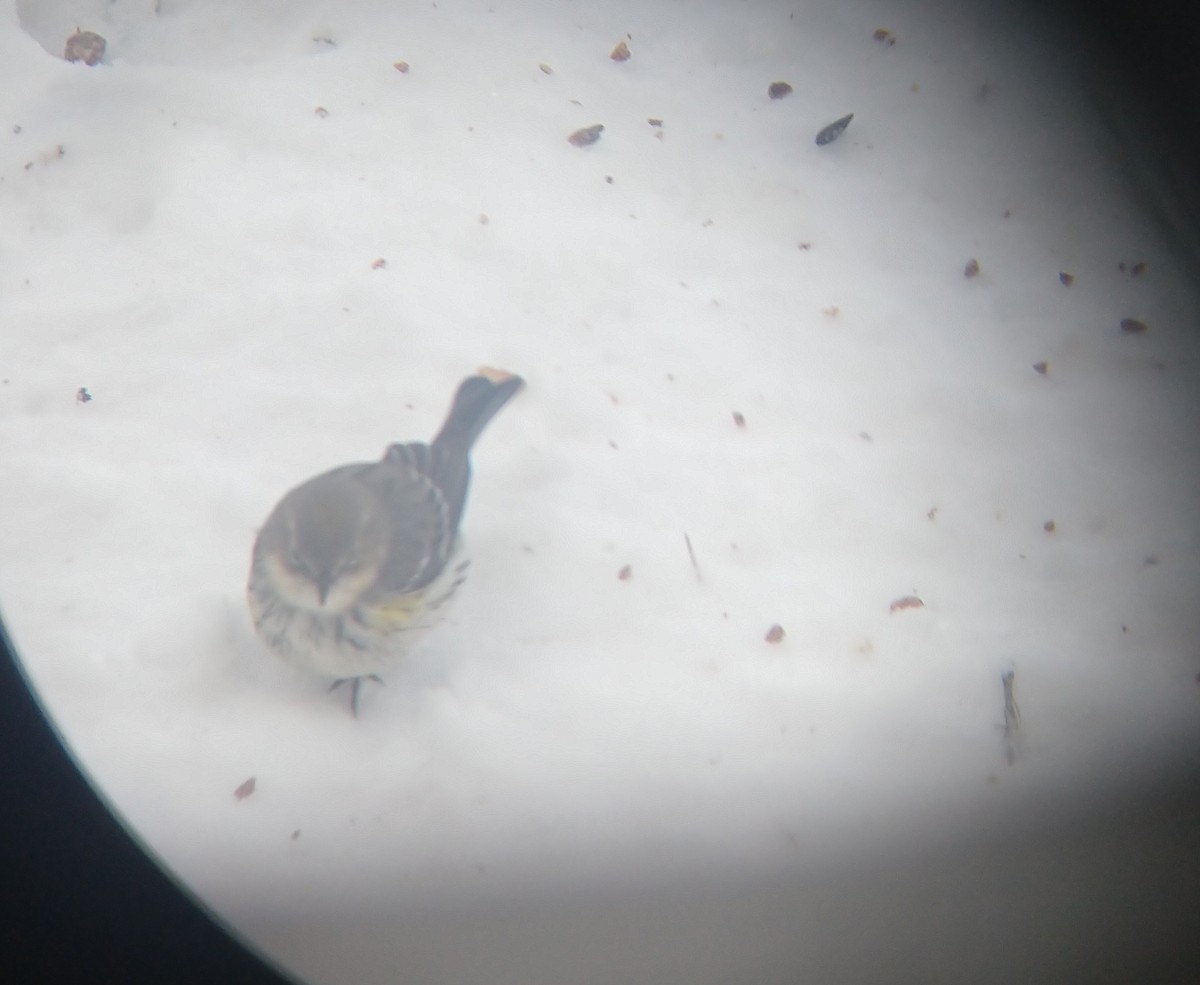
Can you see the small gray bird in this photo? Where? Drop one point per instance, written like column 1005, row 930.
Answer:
column 354, row 566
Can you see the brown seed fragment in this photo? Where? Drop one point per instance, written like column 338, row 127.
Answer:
column 1137, row 269
column 1066, row 279
column 972, row 268
column 906, row 602
column 620, row 53
column 586, row 135
column 1049, row 526
column 1131, row 326
column 321, row 111
column 775, row 634
column 739, row 419
column 1041, row 368
column 625, row 573
column 85, row 46
column 401, row 67
column 777, row 90
column 245, row 789
column 884, row 36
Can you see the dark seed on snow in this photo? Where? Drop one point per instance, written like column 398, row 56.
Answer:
column 831, row 133
column 588, row 135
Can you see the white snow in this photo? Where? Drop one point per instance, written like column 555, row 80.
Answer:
column 201, row 256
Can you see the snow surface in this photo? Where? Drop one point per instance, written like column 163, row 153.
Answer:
column 191, row 231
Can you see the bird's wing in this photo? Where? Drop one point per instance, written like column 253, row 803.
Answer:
column 421, row 531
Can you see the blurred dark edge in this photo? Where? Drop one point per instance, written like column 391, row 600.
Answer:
column 80, row 901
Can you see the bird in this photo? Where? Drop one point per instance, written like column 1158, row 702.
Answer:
column 354, row 566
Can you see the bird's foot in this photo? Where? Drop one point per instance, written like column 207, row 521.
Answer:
column 355, row 684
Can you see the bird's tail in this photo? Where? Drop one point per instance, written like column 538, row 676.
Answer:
column 477, row 401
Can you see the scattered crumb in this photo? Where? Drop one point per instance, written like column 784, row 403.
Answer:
column 654, row 121
column 1042, row 368
column 620, row 53
column 1049, row 526
column 907, row 602
column 1137, row 269
column 608, row 179
column 379, row 263
column 83, row 395
column 483, row 219
column 245, row 789
column 321, row 111
column 884, row 36
column 972, row 268
column 1131, row 326
column 546, row 69
column 85, row 46
column 586, row 135
column 401, row 67
column 55, row 153
column 1012, row 716
column 832, row 311
column 625, row 573
column 774, row 634
column 804, row 246
column 1150, row 560
column 829, row 134
column 865, row 436
column 932, row 514
column 295, row 834
column 1066, row 279
column 777, row 90
column 738, row 419
column 692, row 555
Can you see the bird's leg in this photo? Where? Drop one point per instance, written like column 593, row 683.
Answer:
column 355, row 684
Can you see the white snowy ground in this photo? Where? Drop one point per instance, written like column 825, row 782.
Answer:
column 191, row 231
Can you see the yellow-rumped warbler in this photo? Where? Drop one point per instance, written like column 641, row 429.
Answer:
column 353, row 566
